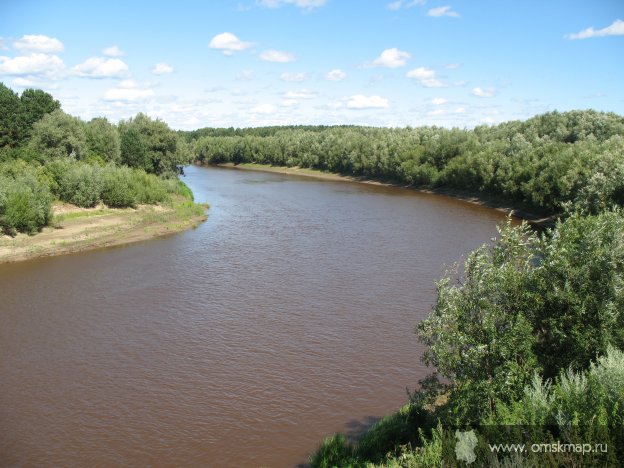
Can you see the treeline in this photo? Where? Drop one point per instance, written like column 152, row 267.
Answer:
column 542, row 163
column 46, row 154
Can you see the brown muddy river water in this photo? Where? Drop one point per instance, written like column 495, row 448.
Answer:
column 287, row 316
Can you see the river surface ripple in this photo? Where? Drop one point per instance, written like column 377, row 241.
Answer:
column 287, row 316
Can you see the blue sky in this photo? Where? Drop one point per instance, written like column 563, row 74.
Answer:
column 273, row 62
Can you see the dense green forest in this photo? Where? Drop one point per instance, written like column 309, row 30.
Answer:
column 541, row 164
column 526, row 347
column 46, row 154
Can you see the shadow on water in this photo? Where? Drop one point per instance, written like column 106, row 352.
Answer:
column 353, row 430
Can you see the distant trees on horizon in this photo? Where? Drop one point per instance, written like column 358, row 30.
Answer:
column 541, row 163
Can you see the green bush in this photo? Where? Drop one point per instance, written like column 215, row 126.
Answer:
column 179, row 188
column 80, row 184
column 119, row 187
column 25, row 204
column 150, row 189
column 334, row 451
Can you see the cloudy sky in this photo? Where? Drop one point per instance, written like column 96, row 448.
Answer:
column 270, row 62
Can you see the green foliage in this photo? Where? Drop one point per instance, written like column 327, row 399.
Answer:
column 58, row 135
column 391, row 433
column 179, row 188
column 10, row 108
column 478, row 334
column 577, row 406
column 542, row 163
column 119, row 187
column 150, row 189
column 334, row 451
column 80, row 184
column 25, row 200
column 526, row 304
column 19, row 113
column 152, row 146
column 580, row 282
column 35, row 104
column 103, row 140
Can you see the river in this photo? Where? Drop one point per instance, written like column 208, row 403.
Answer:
column 288, row 315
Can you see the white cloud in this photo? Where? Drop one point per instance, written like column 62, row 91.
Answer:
column 336, row 75
column 437, row 112
column 113, row 51
column 305, row 4
column 426, row 77
column 271, row 55
column 303, row 94
column 38, row 43
column 296, row 77
column 460, row 110
column 334, row 105
column 263, row 109
column 245, row 75
column 359, row 101
column 128, row 90
column 228, row 43
column 162, row 68
column 615, row 29
column 488, row 120
column 289, row 102
column 33, row 82
column 443, row 11
column 23, row 82
column 99, row 67
column 483, row 92
column 398, row 4
column 439, row 101
column 451, row 66
column 48, row 65
column 391, row 58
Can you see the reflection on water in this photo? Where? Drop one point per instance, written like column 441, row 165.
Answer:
column 287, row 316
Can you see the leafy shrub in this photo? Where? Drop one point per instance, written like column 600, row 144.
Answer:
column 179, row 188
column 333, row 451
column 150, row 189
column 58, row 135
column 25, row 204
column 119, row 187
column 80, row 184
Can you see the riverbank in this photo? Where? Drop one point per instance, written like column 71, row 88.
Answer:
column 75, row 229
column 480, row 199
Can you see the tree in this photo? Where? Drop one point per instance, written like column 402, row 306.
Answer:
column 59, row 135
column 10, row 108
column 151, row 145
column 103, row 140
column 35, row 103
column 478, row 335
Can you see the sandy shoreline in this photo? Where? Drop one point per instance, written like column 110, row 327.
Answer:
column 77, row 229
column 481, row 200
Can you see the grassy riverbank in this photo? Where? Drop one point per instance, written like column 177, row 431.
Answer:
column 464, row 195
column 75, row 229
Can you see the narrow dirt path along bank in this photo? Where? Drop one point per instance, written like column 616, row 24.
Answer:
column 480, row 199
column 75, row 229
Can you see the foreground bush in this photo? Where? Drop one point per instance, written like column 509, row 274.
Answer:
column 577, row 408
column 550, row 306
